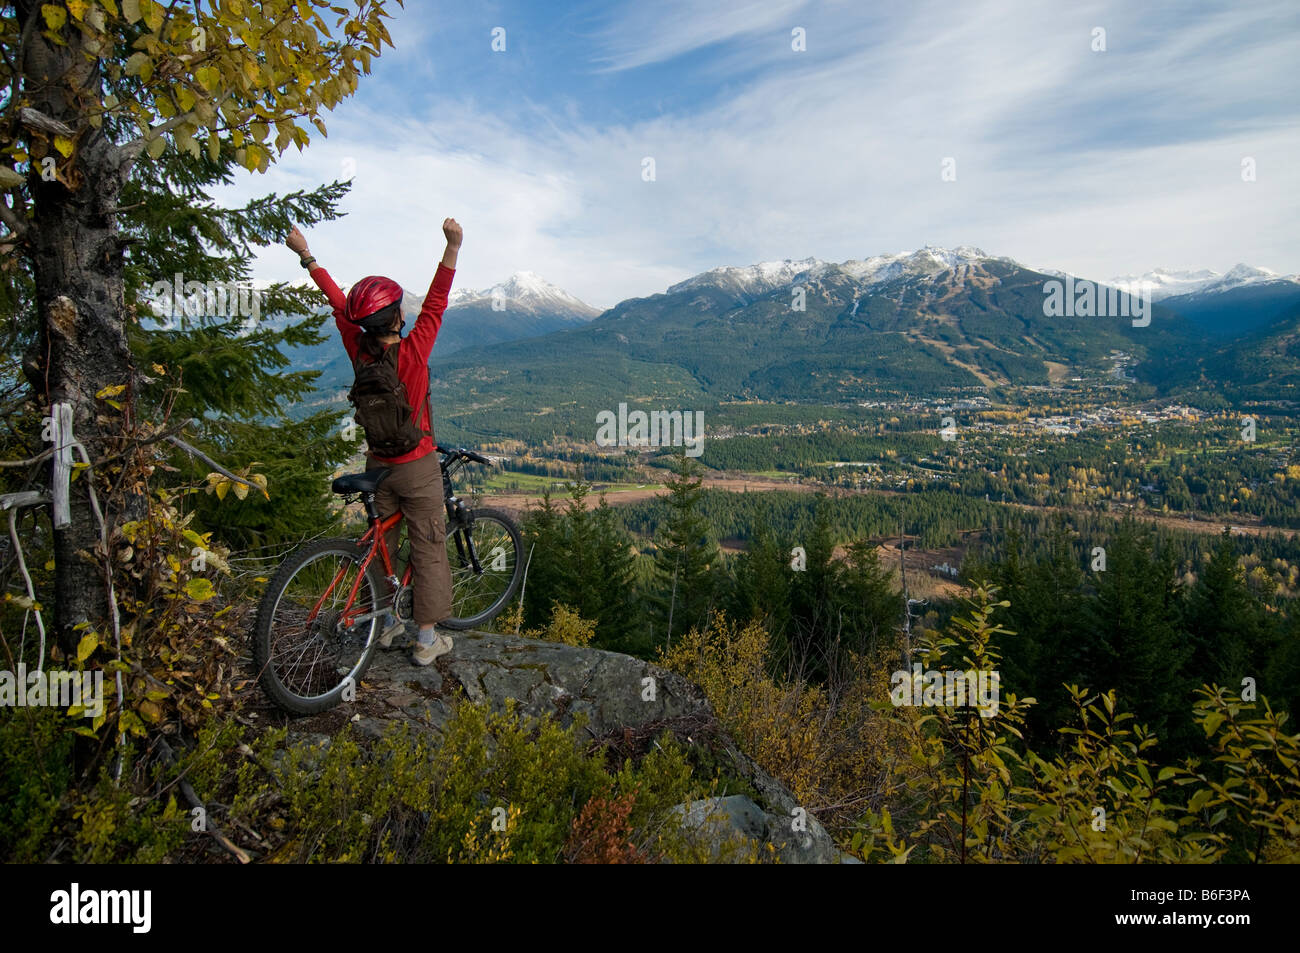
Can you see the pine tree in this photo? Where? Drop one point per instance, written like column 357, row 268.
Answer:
column 871, row 602
column 231, row 374
column 761, row 582
column 582, row 558
column 1134, row 640
column 819, row 627
column 686, row 556
column 548, row 566
column 1224, row 621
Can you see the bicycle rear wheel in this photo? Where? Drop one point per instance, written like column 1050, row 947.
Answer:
column 313, row 639
column 486, row 567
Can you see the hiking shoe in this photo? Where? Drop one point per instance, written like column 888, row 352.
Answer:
column 425, row 654
column 385, row 640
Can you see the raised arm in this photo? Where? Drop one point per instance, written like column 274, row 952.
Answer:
column 425, row 330
column 338, row 303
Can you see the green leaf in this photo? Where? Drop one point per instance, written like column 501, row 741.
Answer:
column 1199, row 799
column 55, row 16
column 199, row 589
column 157, row 147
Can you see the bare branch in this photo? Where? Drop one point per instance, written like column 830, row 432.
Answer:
column 194, row 452
column 35, row 119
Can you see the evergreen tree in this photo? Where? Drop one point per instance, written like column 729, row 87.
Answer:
column 686, row 556
column 231, row 373
column 873, row 605
column 584, row 559
column 544, row 542
column 1134, row 642
column 1224, row 621
column 761, row 584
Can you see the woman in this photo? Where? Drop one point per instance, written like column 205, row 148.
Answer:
column 370, row 321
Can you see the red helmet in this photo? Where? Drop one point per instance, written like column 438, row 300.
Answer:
column 370, row 295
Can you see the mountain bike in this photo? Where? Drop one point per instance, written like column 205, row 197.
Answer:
column 324, row 608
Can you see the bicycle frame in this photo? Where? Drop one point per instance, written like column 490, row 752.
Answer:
column 376, row 536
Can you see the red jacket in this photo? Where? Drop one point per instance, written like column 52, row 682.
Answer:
column 413, row 353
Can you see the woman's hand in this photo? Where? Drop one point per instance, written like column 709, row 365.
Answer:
column 296, row 242
column 451, row 228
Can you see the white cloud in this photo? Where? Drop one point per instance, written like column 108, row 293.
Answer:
column 1096, row 163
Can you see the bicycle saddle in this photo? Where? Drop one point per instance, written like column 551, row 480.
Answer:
column 366, row 482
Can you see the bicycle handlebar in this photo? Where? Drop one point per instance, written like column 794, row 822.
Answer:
column 462, row 452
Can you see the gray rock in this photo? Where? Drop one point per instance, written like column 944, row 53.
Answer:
column 547, row 678
column 797, row 839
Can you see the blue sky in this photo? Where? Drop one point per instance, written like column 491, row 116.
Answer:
column 1099, row 163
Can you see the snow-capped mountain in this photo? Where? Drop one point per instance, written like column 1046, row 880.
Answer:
column 767, row 276
column 525, row 291
column 1167, row 283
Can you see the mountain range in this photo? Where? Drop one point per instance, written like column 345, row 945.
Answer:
column 936, row 322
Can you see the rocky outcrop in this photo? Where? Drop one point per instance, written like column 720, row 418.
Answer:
column 619, row 698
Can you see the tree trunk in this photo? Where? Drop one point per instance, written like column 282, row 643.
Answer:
column 77, row 261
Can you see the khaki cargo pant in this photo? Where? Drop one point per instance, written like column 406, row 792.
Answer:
column 416, row 489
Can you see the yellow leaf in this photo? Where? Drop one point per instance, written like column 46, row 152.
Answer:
column 153, row 14
column 157, row 147
column 131, row 10
column 150, row 711
column 111, row 391
column 64, row 145
column 55, row 16
column 159, row 369
column 78, row 8
column 241, row 490
column 222, row 489
column 89, row 642
column 260, row 480
column 199, row 589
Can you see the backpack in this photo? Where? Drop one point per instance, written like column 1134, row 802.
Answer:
column 382, row 408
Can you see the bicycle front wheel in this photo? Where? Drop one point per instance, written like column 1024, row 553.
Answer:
column 486, row 567
column 316, row 626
